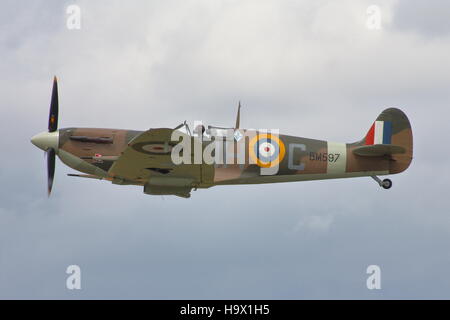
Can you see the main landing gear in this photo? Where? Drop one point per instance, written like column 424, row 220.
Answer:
column 385, row 184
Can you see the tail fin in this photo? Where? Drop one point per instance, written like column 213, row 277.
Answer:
column 390, row 135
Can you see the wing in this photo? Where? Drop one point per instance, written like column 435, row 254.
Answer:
column 148, row 158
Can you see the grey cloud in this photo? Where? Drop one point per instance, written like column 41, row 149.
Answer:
column 310, row 69
column 427, row 18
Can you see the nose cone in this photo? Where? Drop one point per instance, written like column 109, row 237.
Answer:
column 46, row 140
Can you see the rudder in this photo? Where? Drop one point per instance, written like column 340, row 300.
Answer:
column 390, row 135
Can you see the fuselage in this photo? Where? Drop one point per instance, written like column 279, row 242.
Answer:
column 93, row 151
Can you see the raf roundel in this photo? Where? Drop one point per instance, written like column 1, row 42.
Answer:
column 266, row 150
column 156, row 148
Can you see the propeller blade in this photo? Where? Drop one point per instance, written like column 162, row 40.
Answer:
column 50, row 168
column 54, row 106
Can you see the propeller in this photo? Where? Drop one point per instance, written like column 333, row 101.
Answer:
column 54, row 106
column 52, row 127
column 50, row 169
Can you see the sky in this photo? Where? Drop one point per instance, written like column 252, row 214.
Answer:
column 310, row 68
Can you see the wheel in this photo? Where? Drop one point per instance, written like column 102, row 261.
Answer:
column 386, row 184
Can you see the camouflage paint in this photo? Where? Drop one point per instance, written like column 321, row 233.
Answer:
column 304, row 159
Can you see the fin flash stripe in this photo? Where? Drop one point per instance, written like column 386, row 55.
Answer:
column 379, row 133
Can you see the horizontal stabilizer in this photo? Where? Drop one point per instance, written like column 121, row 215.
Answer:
column 89, row 176
column 377, row 150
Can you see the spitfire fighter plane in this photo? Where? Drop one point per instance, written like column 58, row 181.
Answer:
column 145, row 158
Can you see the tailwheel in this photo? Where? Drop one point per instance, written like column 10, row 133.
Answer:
column 387, row 184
